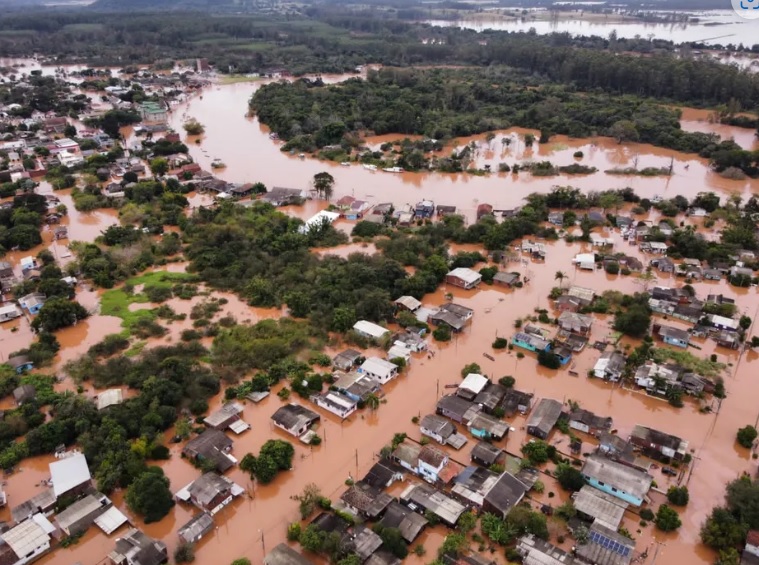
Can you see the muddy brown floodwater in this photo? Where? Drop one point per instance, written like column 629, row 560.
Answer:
column 351, row 447
column 254, row 524
column 244, row 146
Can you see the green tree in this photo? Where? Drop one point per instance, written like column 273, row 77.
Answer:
column 722, row 530
column 184, row 553
column 149, row 495
column 323, row 184
column 442, row 333
column 159, row 166
column 624, row 130
column 241, row 561
column 569, row 477
column 538, row 451
column 393, row 541
column 308, row 499
column 667, row 520
column 193, row 127
column 467, row 522
column 548, row 359
column 678, row 496
column 470, row 368
column 312, row 539
column 372, row 402
column 59, row 313
column 746, row 436
column 634, row 322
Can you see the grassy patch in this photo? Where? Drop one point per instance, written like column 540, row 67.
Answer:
column 116, row 302
column 704, row 367
column 234, row 79
column 136, row 349
column 83, row 27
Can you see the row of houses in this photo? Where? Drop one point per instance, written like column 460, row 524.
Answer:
column 34, row 534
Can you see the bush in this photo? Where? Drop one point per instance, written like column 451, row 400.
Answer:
column 470, row 368
column 549, row 360
column 293, row 532
column 442, row 333
column 746, row 436
column 184, row 553
column 500, row 343
column 647, row 514
column 569, row 478
column 678, row 496
column 667, row 520
column 612, row 268
column 507, row 382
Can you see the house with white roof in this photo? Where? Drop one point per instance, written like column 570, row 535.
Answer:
column 464, row 278
column 318, row 220
column 369, row 329
column 379, row 369
column 27, row 541
column 70, row 475
column 472, row 385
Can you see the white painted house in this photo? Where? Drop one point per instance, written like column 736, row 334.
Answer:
column 379, row 369
column 369, row 329
column 27, row 541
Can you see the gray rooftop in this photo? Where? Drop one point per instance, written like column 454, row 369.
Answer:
column 433, row 500
column 196, row 528
column 206, row 487
column 294, row 416
column 606, row 547
column 535, row 551
column 624, row 478
column 545, row 415
column 606, row 509
column 404, row 519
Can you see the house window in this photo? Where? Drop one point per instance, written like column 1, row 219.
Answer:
column 601, row 484
column 613, row 489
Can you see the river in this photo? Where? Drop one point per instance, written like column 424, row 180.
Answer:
column 250, row 526
column 714, row 26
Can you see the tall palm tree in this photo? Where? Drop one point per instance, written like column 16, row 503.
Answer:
column 560, row 276
column 372, row 401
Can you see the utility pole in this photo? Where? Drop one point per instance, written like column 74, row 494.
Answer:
column 659, row 545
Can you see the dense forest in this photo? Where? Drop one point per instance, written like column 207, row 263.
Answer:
column 337, row 41
column 446, row 103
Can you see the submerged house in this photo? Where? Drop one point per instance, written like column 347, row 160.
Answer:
column 464, row 278
column 587, row 422
column 544, row 418
column 294, row 419
column 658, row 444
column 210, row 492
column 623, row 482
column 213, row 446
column 442, row 431
column 530, row 342
column 453, row 315
column 228, row 416
column 424, row 498
column 194, row 530
column 609, row 366
column 408, row 522
column 346, row 360
column 674, row 336
column 137, row 548
column 379, row 369
column 365, row 500
column 26, row 541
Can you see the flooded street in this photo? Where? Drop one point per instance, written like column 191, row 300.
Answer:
column 254, row 524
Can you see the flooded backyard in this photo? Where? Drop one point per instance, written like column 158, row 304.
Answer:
column 255, row 523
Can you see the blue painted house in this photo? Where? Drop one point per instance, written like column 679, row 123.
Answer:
column 33, row 302
column 563, row 354
column 530, row 342
column 623, row 482
column 20, row 363
column 674, row 336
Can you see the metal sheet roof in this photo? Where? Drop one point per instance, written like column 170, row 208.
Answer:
column 111, row 520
